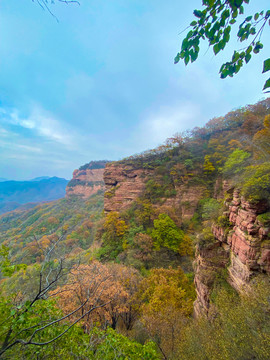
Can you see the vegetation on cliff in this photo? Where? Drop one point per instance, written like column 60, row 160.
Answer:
column 79, row 283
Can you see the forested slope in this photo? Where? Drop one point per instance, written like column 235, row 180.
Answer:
column 203, row 198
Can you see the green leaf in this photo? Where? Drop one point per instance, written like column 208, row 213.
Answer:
column 177, row 58
column 186, row 60
column 222, row 44
column 256, row 16
column 267, row 84
column 193, row 23
column 236, row 56
column 232, row 21
column 216, row 49
column 247, row 58
column 198, row 13
column 249, row 18
column 257, row 47
column 185, row 44
column 266, row 65
column 242, row 55
column 234, row 14
column 238, row 3
column 193, row 55
column 189, row 34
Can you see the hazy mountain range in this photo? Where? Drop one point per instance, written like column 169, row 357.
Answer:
column 17, row 194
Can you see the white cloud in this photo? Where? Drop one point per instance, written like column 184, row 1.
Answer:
column 165, row 121
column 40, row 121
column 4, row 132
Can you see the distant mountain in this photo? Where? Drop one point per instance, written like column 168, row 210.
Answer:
column 15, row 193
column 41, row 178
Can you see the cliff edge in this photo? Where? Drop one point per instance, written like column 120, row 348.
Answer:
column 87, row 180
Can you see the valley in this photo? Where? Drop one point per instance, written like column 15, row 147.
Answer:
column 161, row 255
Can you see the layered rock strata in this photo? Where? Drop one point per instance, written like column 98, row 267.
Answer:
column 245, row 242
column 123, row 185
column 209, row 262
column 86, row 181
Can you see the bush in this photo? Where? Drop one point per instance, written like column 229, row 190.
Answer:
column 206, row 238
column 238, row 330
column 235, row 163
column 166, row 233
column 210, row 209
column 264, row 219
column 256, row 183
column 223, row 221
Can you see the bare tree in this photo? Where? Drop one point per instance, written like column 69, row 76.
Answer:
column 46, row 4
column 52, row 274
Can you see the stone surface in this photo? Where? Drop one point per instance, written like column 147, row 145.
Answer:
column 85, row 183
column 209, row 262
column 123, row 185
column 246, row 241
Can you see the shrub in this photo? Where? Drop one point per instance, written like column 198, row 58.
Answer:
column 223, row 221
column 206, row 238
column 256, row 182
column 236, row 162
column 166, row 233
column 210, row 208
column 264, row 218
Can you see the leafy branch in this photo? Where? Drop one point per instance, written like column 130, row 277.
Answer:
column 214, row 24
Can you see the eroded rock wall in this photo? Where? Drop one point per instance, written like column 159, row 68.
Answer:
column 123, row 184
column 245, row 243
column 210, row 261
column 85, row 183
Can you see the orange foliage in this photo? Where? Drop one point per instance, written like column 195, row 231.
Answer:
column 144, row 246
column 105, row 290
column 53, row 220
column 167, row 297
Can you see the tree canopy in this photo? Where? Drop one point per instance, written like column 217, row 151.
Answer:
column 214, row 24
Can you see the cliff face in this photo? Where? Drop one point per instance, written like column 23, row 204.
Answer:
column 209, row 262
column 185, row 201
column 243, row 247
column 123, row 184
column 87, row 180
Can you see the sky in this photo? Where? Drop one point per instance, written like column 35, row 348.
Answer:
column 99, row 82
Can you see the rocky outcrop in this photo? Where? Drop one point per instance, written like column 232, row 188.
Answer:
column 246, row 242
column 210, row 261
column 249, row 238
column 123, row 183
column 185, row 202
column 87, row 180
column 188, row 197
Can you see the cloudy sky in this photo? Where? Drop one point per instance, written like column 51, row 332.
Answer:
column 100, row 82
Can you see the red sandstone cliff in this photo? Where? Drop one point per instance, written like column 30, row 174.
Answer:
column 124, row 184
column 87, row 180
column 243, row 247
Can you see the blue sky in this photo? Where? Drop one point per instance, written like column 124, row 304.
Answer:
column 101, row 84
